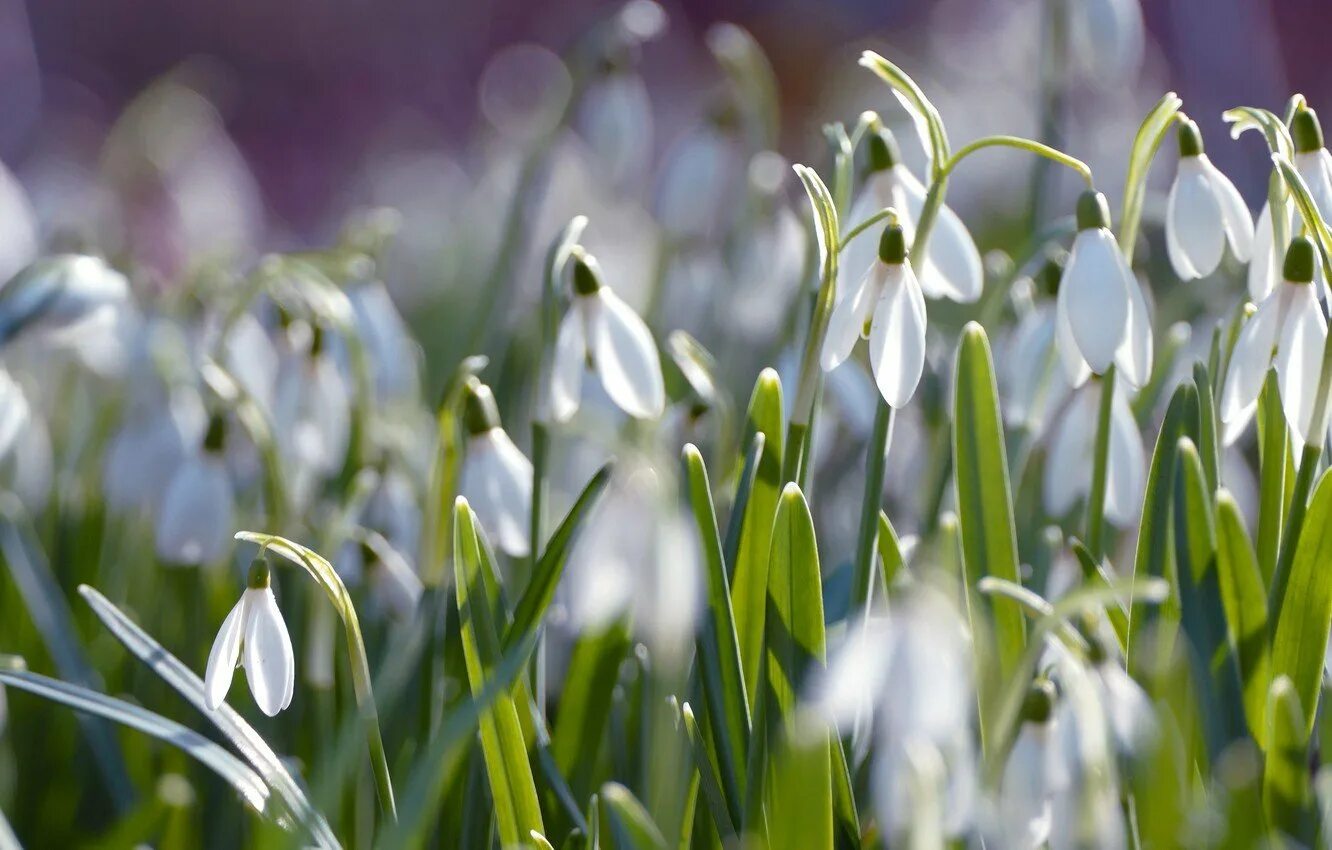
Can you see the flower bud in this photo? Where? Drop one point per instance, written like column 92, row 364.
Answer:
column 1093, row 211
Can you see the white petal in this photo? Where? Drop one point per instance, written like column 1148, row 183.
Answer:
column 1126, row 706
column 1262, row 264
column 626, row 359
column 849, row 315
column 953, row 263
column 1249, row 362
column 1075, row 368
column 1097, row 299
column 1126, row 472
column 1024, row 799
column 497, row 481
column 1068, row 459
column 1235, row 213
column 1299, row 356
column 222, row 657
column 1195, row 235
column 861, row 252
column 569, row 363
column 14, row 412
column 1134, row 356
column 270, row 666
column 897, row 336
column 195, row 524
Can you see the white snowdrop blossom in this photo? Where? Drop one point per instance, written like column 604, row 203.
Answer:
column 1026, row 790
column 195, row 523
column 18, row 226
column 496, row 476
column 1100, row 312
column 601, row 333
column 1204, row 211
column 908, row 674
column 1290, row 322
column 394, row 355
column 615, row 118
column 312, row 411
column 253, row 635
column 1032, row 382
column 888, row 307
column 1314, row 164
column 61, row 296
column 1068, row 462
column 952, row 266
column 147, row 450
column 14, row 412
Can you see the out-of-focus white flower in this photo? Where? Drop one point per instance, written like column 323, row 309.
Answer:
column 14, row 412
column 697, row 186
column 1109, row 37
column 250, row 357
column 889, row 304
column 254, row 627
column 615, row 118
column 1068, row 463
column 602, row 333
column 1127, row 708
column 61, row 296
column 1314, row 164
column 1290, row 322
column 496, row 477
column 18, row 238
column 1100, row 313
column 952, row 267
column 1033, row 384
column 195, row 523
column 33, row 465
column 636, row 557
column 909, row 675
column 146, row 451
column 312, row 412
column 1027, row 788
column 394, row 355
column 1204, row 211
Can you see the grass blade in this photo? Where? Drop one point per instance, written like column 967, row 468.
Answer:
column 1245, row 598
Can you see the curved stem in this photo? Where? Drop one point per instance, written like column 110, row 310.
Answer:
column 1019, row 143
column 875, row 464
column 886, row 212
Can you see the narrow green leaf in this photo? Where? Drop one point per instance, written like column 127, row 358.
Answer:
column 744, row 487
column 718, row 648
column 1208, row 450
column 984, row 497
column 1203, row 612
column 246, row 782
column 540, row 589
column 633, row 826
column 798, row 782
column 513, row 790
column 1300, row 641
column 708, row 781
column 890, row 553
column 1273, row 460
column 585, row 705
column 1245, row 599
column 750, row 588
column 1286, row 795
column 1095, row 575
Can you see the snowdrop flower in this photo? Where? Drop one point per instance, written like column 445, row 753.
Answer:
column 1026, row 790
column 313, row 410
column 393, row 353
column 952, row 266
column 144, row 454
column 14, row 412
column 195, row 524
column 254, row 636
column 1203, row 212
column 1030, row 376
column 1068, row 462
column 59, row 295
column 1108, row 38
column 1290, row 321
column 1128, row 711
column 1100, row 313
column 601, row 333
column 615, row 118
column 496, row 477
column 889, row 308
column 909, row 673
column 19, row 240
column 1314, row 164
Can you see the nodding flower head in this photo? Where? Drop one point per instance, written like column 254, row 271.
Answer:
column 254, row 635
column 1204, row 212
column 496, row 477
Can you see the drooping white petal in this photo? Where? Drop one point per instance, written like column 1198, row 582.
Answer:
column 1249, row 362
column 1126, row 471
column 1195, row 234
column 19, row 244
column 849, row 316
column 1068, row 459
column 626, row 359
column 1299, row 355
column 952, row 267
column 1075, row 368
column 223, row 656
column 195, row 524
column 1235, row 213
column 1096, row 297
column 1134, row 356
column 569, row 363
column 1127, row 707
column 14, row 412
column 897, row 336
column 497, row 481
column 1262, row 265
column 270, row 666
column 880, row 191
column 1024, row 802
